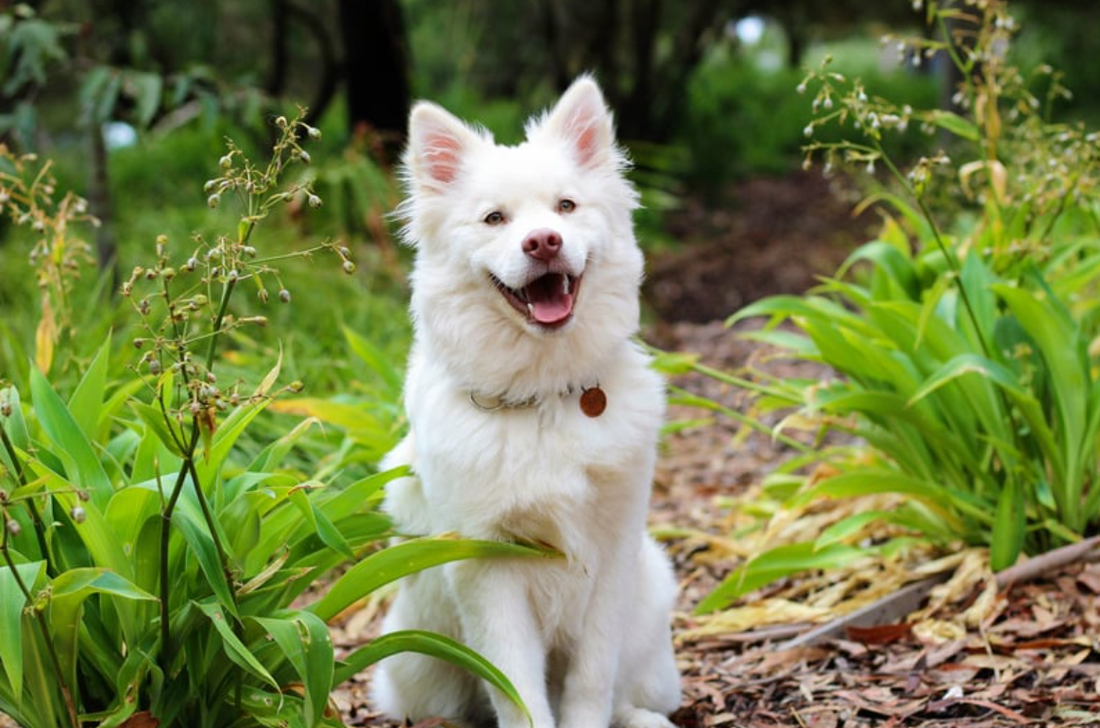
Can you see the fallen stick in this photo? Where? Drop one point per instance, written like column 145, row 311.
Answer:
column 1044, row 562
column 890, row 609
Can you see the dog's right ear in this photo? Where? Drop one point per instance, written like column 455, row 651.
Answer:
column 437, row 143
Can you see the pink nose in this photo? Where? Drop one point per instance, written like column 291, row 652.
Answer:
column 542, row 244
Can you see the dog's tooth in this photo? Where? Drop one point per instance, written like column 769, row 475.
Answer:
column 566, row 285
column 531, row 308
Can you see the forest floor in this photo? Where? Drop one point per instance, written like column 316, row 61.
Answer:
column 967, row 654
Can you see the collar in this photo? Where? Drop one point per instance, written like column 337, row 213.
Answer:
column 593, row 400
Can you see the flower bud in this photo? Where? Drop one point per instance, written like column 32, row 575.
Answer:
column 304, row 155
column 314, row 200
column 5, row 409
column 154, row 366
column 77, row 514
column 262, row 293
column 14, row 528
column 314, row 132
column 284, row 296
column 226, row 162
column 213, row 200
column 349, row 267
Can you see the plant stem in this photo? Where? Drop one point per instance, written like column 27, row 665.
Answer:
column 43, row 627
column 223, row 308
column 212, row 525
column 947, row 254
column 36, row 518
column 167, row 649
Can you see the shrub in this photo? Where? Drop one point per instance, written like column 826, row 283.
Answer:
column 966, row 352
column 149, row 566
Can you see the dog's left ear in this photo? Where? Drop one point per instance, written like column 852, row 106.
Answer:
column 582, row 119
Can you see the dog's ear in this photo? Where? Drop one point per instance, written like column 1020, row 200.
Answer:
column 437, row 143
column 582, row 119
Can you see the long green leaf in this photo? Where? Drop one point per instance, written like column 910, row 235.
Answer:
column 87, row 400
column 68, row 592
column 305, row 641
column 12, row 601
column 194, row 531
column 1009, row 527
column 871, row 481
column 375, row 359
column 72, row 447
column 409, row 557
column 95, row 531
column 434, row 645
column 236, row 650
column 775, row 564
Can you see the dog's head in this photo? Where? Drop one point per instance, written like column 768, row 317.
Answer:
column 533, row 241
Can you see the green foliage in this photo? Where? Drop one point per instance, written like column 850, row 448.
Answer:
column 742, row 119
column 157, row 555
column 966, row 352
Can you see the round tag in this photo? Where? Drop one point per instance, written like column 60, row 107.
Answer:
column 593, row 402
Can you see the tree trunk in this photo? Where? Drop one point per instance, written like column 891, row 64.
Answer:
column 376, row 71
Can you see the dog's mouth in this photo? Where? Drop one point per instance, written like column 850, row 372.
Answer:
column 548, row 300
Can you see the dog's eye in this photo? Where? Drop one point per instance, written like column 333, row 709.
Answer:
column 496, row 217
column 566, row 205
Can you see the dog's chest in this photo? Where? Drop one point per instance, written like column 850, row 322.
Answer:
column 546, row 471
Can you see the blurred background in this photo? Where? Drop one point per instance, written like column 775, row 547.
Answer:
column 133, row 100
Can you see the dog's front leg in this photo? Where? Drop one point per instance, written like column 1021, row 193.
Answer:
column 498, row 621
column 589, row 682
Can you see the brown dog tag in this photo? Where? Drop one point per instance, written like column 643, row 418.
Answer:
column 593, row 401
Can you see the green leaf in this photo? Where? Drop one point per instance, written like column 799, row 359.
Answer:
column 409, row 557
column 146, row 89
column 434, row 645
column 199, row 540
column 871, row 481
column 320, row 524
column 271, row 458
column 774, row 564
column 956, row 124
column 1009, row 527
column 673, row 363
column 87, row 400
column 14, row 424
column 968, row 364
column 236, row 650
column 375, row 359
column 305, row 640
column 95, row 531
column 81, row 464
column 12, row 601
column 849, row 527
column 67, row 595
column 225, row 437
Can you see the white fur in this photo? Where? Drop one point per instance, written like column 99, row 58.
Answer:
column 585, row 640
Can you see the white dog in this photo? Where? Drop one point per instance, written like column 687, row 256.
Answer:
column 533, row 417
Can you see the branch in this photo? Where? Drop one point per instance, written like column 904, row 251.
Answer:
column 1045, row 562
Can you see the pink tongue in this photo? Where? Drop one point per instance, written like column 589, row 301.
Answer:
column 549, row 303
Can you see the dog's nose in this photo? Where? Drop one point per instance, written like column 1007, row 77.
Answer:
column 543, row 244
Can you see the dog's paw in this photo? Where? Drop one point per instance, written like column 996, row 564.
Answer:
column 641, row 718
